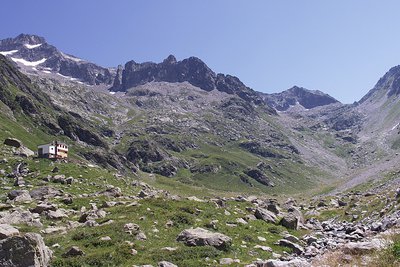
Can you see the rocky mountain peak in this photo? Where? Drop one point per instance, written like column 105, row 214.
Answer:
column 298, row 96
column 29, row 39
column 170, row 60
column 35, row 56
column 192, row 70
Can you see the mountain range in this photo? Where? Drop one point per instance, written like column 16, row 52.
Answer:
column 171, row 163
column 180, row 119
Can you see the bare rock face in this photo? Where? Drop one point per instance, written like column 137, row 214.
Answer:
column 203, row 237
column 259, row 177
column 192, row 70
column 24, row 251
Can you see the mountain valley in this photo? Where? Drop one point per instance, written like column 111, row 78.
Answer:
column 172, row 164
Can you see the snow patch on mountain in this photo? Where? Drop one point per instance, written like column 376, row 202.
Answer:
column 72, row 58
column 29, row 46
column 6, row 53
column 29, row 63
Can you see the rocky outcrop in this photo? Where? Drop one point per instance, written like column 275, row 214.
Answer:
column 144, row 151
column 203, row 237
column 74, row 130
column 191, row 70
column 28, row 250
column 259, row 176
column 259, row 149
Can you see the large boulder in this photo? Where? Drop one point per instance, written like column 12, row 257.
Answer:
column 297, row 213
column 295, row 247
column 73, row 252
column 166, row 264
column 111, row 192
column 45, row 192
column 290, row 221
column 7, row 230
column 20, row 216
column 203, row 237
column 19, row 195
column 92, row 215
column 24, row 152
column 364, row 247
column 266, row 215
column 272, row 205
column 24, row 251
column 41, row 207
column 279, row 263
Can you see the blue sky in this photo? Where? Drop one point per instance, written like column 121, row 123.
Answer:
column 340, row 47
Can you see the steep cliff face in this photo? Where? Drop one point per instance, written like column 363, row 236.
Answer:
column 192, row 70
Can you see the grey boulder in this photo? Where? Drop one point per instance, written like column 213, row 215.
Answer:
column 24, row 251
column 203, row 237
column 7, row 230
column 265, row 215
column 166, row 264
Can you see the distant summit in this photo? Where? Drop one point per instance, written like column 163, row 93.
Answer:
column 192, row 70
column 298, row 96
column 34, row 54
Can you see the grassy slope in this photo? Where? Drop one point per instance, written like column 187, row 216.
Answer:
column 148, row 214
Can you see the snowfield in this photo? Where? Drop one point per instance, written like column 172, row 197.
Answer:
column 29, row 63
